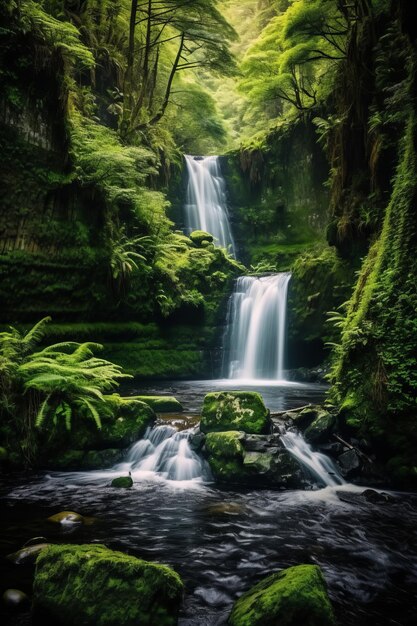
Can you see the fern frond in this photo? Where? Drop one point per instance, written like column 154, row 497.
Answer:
column 93, row 412
column 42, row 413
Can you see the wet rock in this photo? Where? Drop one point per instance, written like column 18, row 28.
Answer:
column 332, row 449
column 261, row 443
column 226, row 508
column 27, row 555
column 196, row 441
column 123, row 482
column 233, row 460
column 274, row 468
column 349, row 463
column 292, row 597
column 98, row 459
column 235, row 410
column 227, row 444
column 304, row 417
column 95, row 586
column 321, row 428
column 15, row 599
column 66, row 517
column 160, row 404
column 378, row 497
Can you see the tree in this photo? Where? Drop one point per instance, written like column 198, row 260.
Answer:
column 167, row 37
column 292, row 62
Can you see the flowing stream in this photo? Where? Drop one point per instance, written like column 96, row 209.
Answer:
column 206, row 207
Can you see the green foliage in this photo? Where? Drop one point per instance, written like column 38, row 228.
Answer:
column 58, row 35
column 290, row 66
column 55, row 383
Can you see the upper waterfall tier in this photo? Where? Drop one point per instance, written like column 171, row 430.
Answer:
column 206, row 207
column 254, row 346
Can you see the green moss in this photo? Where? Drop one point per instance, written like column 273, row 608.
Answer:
column 235, row 410
column 160, row 404
column 228, row 471
column 200, row 237
column 227, row 444
column 374, row 369
column 291, row 597
column 321, row 427
column 123, row 482
column 95, row 586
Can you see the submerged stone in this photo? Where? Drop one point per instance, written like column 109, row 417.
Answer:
column 27, row 554
column 235, row 410
column 293, row 597
column 95, row 586
column 66, row 517
column 15, row 599
column 122, row 482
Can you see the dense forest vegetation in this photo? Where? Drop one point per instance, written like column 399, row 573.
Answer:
column 312, row 107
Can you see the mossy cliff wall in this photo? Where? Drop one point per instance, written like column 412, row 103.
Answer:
column 76, row 202
column 279, row 207
column 374, row 372
column 277, row 194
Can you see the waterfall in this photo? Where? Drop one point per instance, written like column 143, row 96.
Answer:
column 254, row 345
column 206, row 207
column 317, row 464
column 164, row 452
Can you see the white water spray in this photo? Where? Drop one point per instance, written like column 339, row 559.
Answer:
column 318, row 465
column 166, row 453
column 255, row 335
column 206, row 207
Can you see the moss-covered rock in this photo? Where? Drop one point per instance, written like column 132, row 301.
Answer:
column 200, row 237
column 228, row 444
column 237, row 458
column 130, row 417
column 124, row 421
column 95, row 586
column 320, row 428
column 291, row 597
column 66, row 517
column 160, row 404
column 235, row 410
column 122, row 482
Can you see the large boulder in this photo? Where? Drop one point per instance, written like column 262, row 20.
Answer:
column 235, row 410
column 94, row 586
column 260, row 460
column 320, row 428
column 292, row 597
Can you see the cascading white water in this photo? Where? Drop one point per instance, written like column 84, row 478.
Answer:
column 165, row 452
column 255, row 334
column 206, row 207
column 319, row 465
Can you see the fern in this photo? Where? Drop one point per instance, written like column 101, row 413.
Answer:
column 44, row 408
